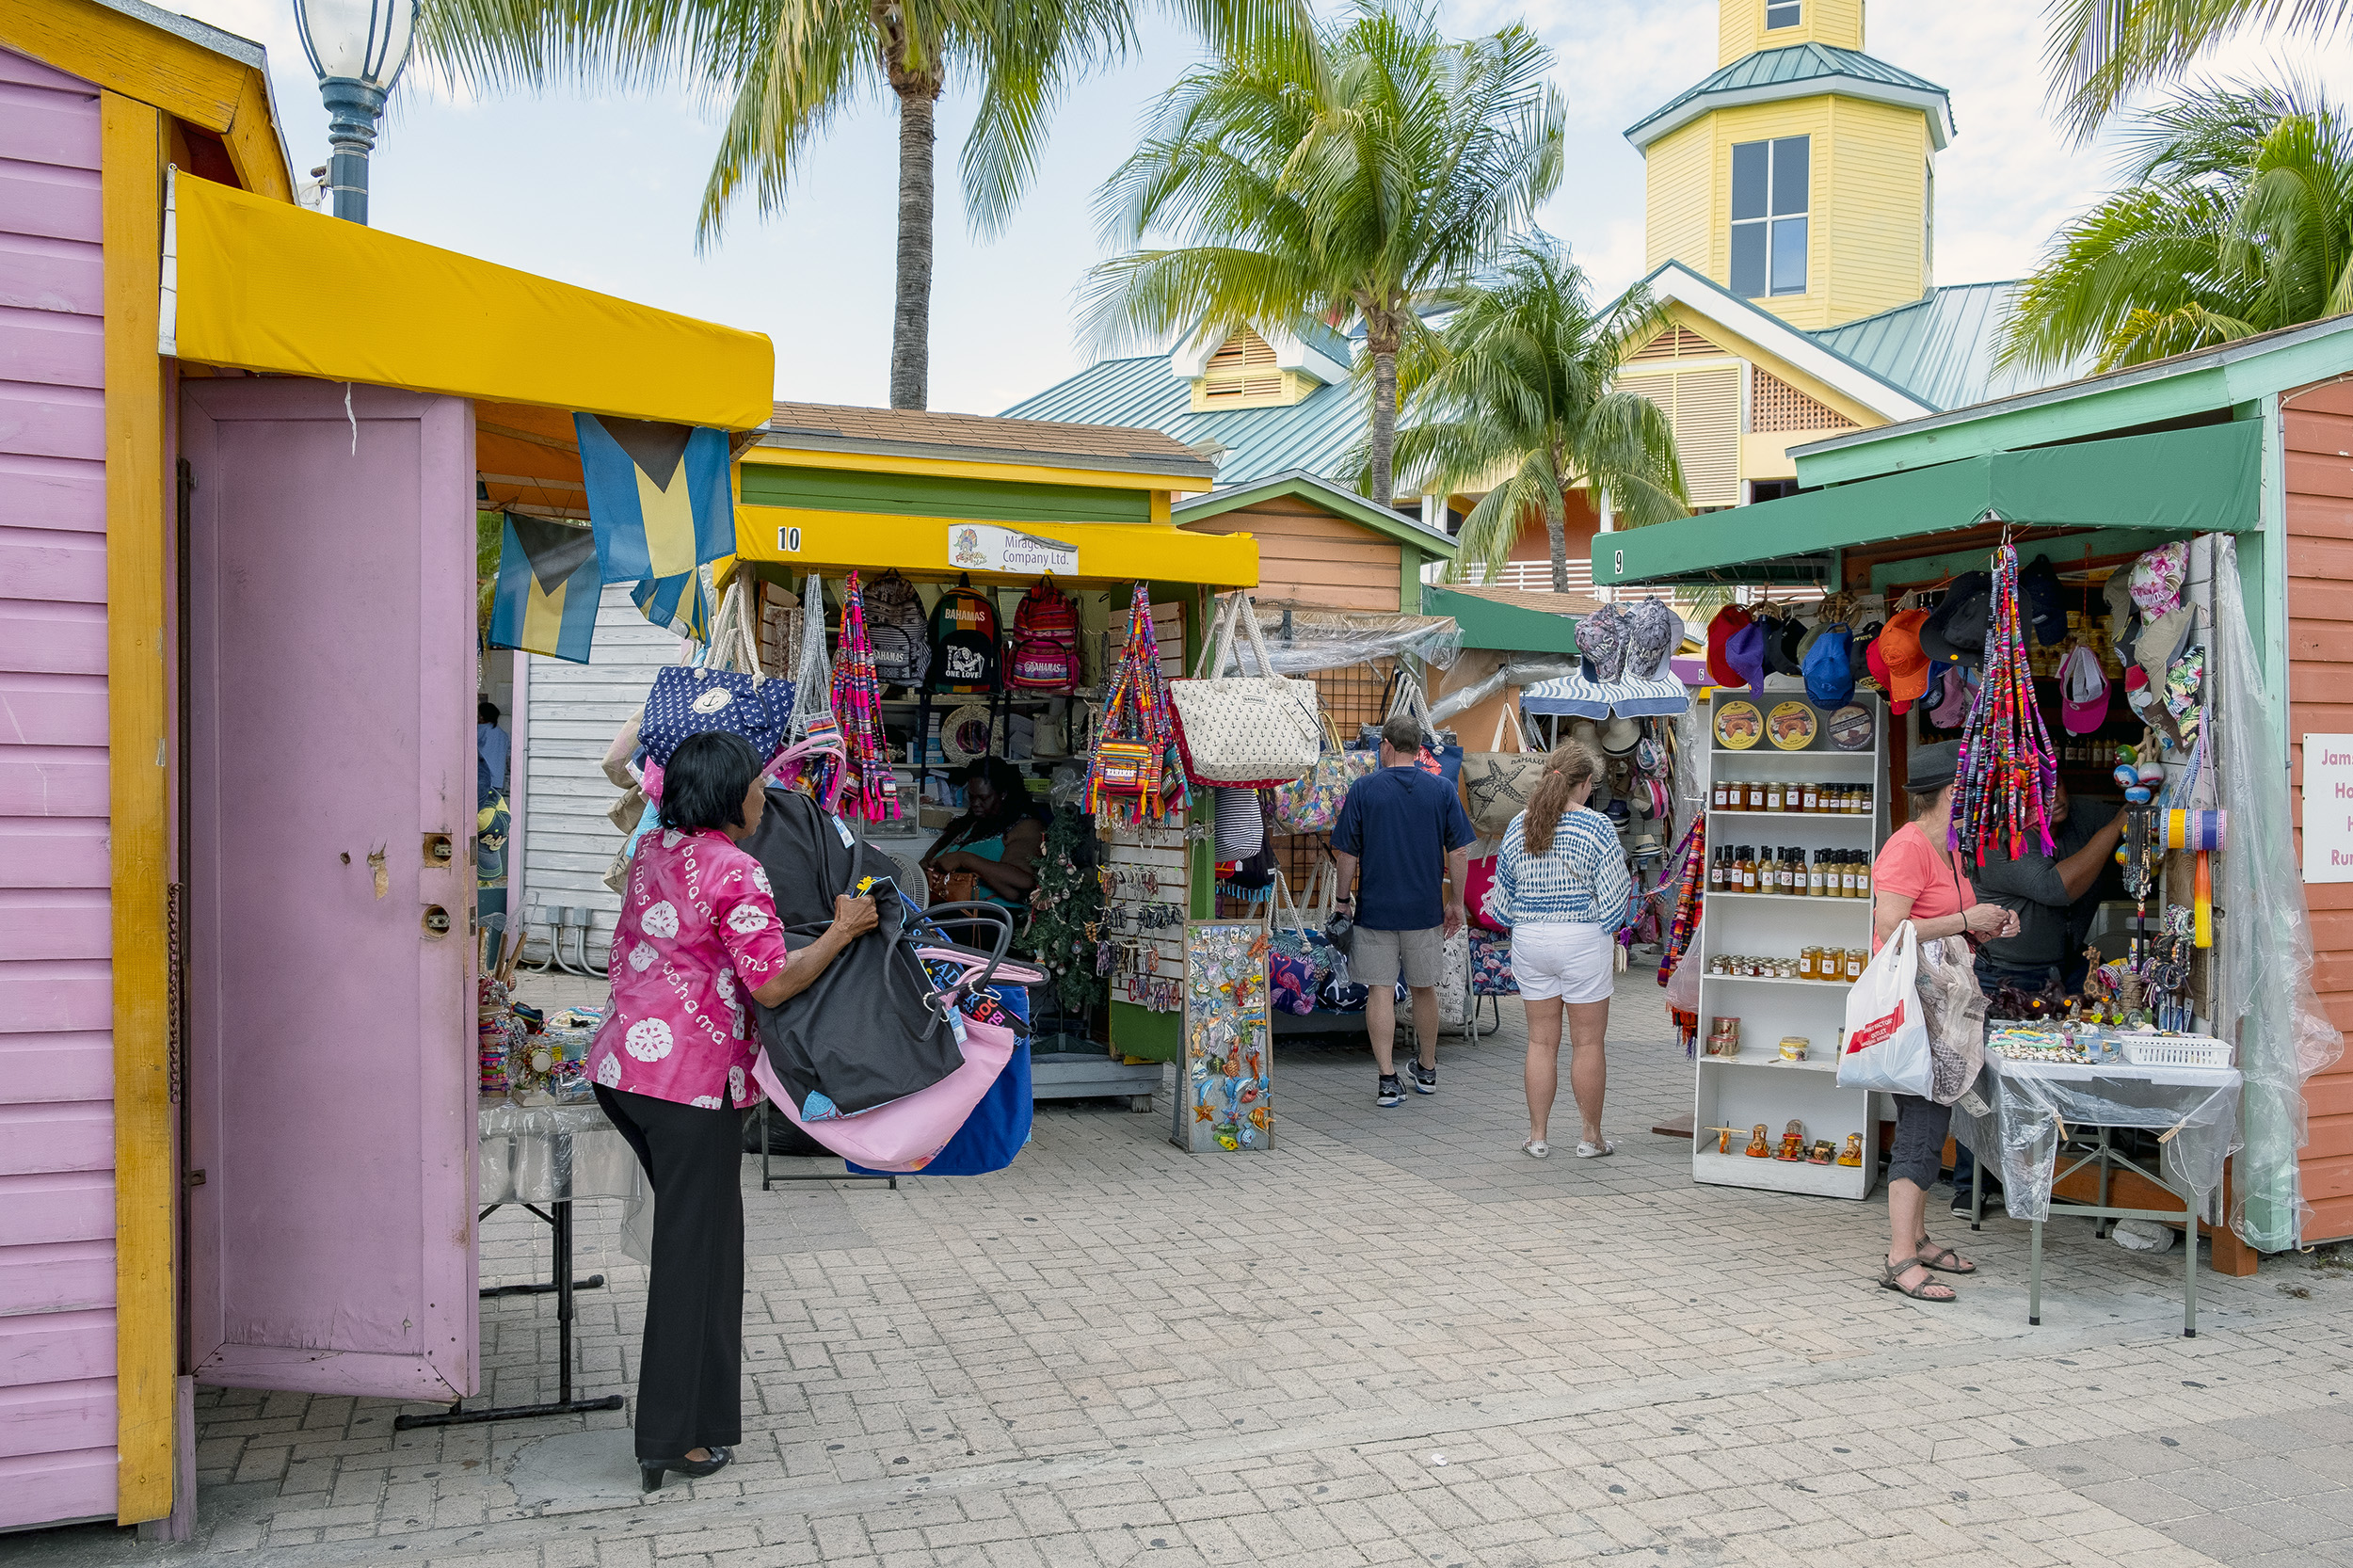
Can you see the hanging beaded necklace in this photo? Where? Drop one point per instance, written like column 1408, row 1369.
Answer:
column 858, row 707
column 2008, row 770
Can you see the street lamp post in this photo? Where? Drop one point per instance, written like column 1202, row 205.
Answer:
column 358, row 48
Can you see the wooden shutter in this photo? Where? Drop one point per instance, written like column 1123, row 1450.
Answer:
column 1704, row 405
column 1243, row 367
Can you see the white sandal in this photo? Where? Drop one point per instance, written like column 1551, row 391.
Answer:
column 1536, row 1149
column 1596, row 1151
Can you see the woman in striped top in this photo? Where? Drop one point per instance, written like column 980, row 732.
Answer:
column 1561, row 887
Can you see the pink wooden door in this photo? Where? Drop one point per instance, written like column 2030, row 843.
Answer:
column 331, row 1072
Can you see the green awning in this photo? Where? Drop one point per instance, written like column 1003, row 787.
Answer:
column 2202, row 480
column 1488, row 624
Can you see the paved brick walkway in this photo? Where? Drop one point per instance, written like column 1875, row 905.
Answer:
column 1393, row 1339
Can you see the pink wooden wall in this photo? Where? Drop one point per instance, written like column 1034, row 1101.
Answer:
column 56, row 1118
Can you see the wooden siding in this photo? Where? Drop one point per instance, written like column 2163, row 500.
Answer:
column 58, row 1408
column 1308, row 555
column 1874, row 206
column 1740, row 27
column 1677, row 175
column 1866, row 249
column 2319, row 514
column 576, row 710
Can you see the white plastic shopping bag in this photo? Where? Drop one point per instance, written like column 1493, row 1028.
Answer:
column 1886, row 1045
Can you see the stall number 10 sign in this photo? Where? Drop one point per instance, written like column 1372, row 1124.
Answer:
column 2329, row 808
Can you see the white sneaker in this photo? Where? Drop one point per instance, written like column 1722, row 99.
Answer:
column 1596, row 1151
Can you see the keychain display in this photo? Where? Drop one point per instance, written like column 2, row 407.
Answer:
column 1225, row 1095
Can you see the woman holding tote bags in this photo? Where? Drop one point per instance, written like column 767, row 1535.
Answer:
column 1917, row 878
column 1562, row 886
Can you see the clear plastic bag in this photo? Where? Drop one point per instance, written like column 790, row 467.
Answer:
column 2012, row 1120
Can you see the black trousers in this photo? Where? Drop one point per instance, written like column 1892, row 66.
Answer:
column 689, row 1392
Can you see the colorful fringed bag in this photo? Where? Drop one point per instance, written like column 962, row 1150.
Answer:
column 873, row 795
column 2008, row 770
column 1130, row 776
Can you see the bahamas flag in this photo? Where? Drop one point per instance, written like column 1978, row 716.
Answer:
column 548, row 589
column 657, row 497
column 681, row 604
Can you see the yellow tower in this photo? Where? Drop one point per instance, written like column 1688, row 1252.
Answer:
column 1802, row 174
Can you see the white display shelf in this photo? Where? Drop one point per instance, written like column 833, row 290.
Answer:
column 1826, row 986
column 1855, row 819
column 1801, row 900
column 1738, row 1169
column 1767, row 1059
column 1765, row 1089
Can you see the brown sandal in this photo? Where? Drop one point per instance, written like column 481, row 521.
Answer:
column 1891, row 1276
column 1944, row 1259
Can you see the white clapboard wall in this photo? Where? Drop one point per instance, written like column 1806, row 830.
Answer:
column 575, row 711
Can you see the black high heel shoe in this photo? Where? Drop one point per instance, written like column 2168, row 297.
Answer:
column 650, row 1476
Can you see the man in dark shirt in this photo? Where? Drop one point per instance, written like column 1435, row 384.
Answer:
column 1406, row 830
column 2054, row 896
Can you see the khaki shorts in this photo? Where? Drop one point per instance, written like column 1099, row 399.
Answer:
column 1375, row 957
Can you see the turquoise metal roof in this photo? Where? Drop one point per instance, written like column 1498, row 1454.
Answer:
column 1319, row 433
column 1940, row 349
column 1759, row 76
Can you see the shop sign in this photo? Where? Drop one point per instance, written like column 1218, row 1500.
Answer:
column 2329, row 808
column 985, row 546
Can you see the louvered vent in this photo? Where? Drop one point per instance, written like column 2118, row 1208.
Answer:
column 1244, row 367
column 1774, row 404
column 1676, row 342
column 1705, row 407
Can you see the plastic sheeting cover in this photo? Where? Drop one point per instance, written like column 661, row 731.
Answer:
column 550, row 1153
column 2262, row 931
column 1523, row 672
column 2015, row 1113
column 1333, row 639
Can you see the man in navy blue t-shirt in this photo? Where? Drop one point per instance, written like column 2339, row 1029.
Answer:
column 1407, row 832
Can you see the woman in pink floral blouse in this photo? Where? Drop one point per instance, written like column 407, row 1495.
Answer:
column 697, row 935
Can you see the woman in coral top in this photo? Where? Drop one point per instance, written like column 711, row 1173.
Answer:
column 672, row 1062
column 1916, row 877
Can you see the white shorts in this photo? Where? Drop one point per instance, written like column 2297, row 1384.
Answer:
column 1570, row 960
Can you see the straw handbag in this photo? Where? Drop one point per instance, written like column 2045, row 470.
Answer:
column 1247, row 731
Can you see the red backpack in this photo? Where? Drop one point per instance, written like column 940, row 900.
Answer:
column 1045, row 656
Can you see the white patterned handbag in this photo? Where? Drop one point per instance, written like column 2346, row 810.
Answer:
column 1250, row 731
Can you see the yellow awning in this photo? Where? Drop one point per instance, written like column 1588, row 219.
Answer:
column 804, row 539
column 263, row 285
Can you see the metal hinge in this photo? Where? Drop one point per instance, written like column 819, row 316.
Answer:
column 175, row 991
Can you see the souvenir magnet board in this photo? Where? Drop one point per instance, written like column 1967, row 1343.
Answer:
column 1226, row 1100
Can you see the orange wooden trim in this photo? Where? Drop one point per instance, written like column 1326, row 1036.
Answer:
column 132, row 143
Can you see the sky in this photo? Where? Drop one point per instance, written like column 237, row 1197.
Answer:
column 601, row 191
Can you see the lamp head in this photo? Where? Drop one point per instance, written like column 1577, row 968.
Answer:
column 357, row 40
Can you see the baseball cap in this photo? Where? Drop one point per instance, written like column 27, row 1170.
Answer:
column 1744, row 652
column 1899, row 653
column 1731, row 619
column 1829, row 667
column 2082, row 691
column 1955, row 632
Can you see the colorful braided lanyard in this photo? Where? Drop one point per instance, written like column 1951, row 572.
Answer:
column 2007, row 771
column 858, row 707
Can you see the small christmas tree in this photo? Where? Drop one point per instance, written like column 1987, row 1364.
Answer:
column 1066, row 905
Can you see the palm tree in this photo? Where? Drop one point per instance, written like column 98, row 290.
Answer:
column 2236, row 217
column 2102, row 51
column 790, row 66
column 1518, row 379
column 1349, row 174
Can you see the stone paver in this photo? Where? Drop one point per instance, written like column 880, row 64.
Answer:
column 1394, row 1339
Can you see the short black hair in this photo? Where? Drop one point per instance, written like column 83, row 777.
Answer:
column 485, row 711
column 705, row 780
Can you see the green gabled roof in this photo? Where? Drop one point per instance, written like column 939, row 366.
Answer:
column 1319, row 433
column 1797, row 72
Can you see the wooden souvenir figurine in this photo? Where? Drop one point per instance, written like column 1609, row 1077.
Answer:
column 1792, row 1141
column 1758, row 1148
column 1724, row 1136
column 1822, row 1154
column 1852, row 1154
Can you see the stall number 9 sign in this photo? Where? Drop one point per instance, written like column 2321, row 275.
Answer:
column 2329, row 808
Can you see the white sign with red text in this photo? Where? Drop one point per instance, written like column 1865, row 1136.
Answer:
column 2329, row 808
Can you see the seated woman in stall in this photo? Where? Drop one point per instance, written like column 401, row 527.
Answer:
column 997, row 840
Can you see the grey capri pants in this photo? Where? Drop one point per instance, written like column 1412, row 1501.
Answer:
column 1918, row 1155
